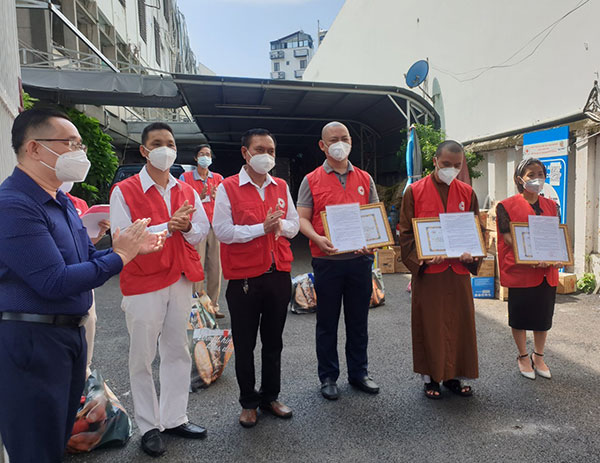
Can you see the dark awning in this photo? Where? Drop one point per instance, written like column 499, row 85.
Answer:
column 101, row 88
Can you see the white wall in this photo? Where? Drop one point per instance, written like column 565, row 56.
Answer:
column 9, row 85
column 376, row 41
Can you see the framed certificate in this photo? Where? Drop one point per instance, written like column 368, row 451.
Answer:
column 524, row 251
column 375, row 226
column 431, row 242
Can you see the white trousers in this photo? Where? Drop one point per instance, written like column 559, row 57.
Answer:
column 210, row 255
column 90, row 334
column 159, row 317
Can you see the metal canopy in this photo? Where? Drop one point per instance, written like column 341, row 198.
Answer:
column 225, row 107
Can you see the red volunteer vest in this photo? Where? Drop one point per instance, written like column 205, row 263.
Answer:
column 252, row 259
column 428, row 203
column 514, row 275
column 80, row 205
column 158, row 270
column 327, row 190
column 198, row 185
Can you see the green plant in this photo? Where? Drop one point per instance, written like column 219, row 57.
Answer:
column 101, row 155
column 587, row 283
column 429, row 139
column 28, row 101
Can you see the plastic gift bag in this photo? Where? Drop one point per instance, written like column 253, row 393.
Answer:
column 304, row 297
column 211, row 350
column 101, row 420
column 378, row 294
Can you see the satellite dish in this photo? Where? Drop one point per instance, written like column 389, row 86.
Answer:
column 417, row 73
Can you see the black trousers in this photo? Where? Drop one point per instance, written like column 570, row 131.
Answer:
column 42, row 375
column 349, row 281
column 264, row 306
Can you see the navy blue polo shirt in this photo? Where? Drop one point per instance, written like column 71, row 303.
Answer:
column 48, row 265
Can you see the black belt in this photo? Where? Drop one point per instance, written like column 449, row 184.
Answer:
column 58, row 320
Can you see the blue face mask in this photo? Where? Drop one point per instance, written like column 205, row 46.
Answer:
column 204, row 161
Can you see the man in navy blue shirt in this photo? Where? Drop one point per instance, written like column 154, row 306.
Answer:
column 48, row 267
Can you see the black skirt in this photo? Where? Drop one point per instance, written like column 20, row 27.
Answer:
column 531, row 308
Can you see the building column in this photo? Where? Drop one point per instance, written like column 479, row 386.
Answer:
column 586, row 202
column 512, row 160
column 491, row 175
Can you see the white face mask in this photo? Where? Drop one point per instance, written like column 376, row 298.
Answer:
column 448, row 174
column 261, row 163
column 534, row 186
column 339, row 150
column 204, row 161
column 66, row 187
column 72, row 166
column 162, row 157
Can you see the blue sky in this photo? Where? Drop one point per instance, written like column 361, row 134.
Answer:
column 232, row 37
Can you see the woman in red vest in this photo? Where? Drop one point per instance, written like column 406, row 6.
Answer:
column 531, row 289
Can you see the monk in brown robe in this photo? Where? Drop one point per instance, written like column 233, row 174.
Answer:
column 443, row 313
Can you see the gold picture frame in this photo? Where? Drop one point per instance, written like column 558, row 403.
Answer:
column 519, row 232
column 429, row 238
column 375, row 225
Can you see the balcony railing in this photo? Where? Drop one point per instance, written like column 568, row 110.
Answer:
column 301, row 52
column 279, row 54
column 278, row 75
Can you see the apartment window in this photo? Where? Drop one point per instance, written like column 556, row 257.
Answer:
column 157, row 41
column 302, row 64
column 287, row 63
column 142, row 19
column 166, row 9
column 275, row 67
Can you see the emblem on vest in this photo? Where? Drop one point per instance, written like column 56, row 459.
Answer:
column 361, row 190
column 461, row 205
column 281, row 203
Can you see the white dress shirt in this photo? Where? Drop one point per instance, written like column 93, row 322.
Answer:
column 120, row 216
column 229, row 233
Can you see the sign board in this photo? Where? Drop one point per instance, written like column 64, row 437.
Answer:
column 552, row 148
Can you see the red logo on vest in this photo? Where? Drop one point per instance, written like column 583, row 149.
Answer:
column 281, row 203
column 361, row 190
column 461, row 206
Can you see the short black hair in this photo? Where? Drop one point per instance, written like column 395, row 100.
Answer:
column 155, row 126
column 449, row 145
column 522, row 167
column 30, row 120
column 254, row 133
column 203, row 145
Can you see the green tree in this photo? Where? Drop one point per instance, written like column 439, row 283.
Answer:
column 429, row 139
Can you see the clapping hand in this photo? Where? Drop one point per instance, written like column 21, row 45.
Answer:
column 180, row 221
column 272, row 223
column 128, row 243
column 154, row 242
column 204, row 191
column 213, row 192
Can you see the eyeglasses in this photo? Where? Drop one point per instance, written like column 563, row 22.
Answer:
column 73, row 144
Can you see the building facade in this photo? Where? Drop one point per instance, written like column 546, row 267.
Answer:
column 290, row 56
column 498, row 70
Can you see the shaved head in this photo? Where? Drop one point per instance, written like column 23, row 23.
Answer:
column 329, row 126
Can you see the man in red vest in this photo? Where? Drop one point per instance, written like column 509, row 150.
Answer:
column 338, row 277
column 443, row 313
column 254, row 219
column 157, row 289
column 205, row 183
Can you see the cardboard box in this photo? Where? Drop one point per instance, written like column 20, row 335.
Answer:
column 399, row 266
column 567, row 283
column 483, row 287
column 490, row 224
column 491, row 241
column 483, row 217
column 488, row 266
column 386, row 260
column 501, row 291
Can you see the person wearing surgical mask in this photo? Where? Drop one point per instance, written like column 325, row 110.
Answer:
column 157, row 291
column 48, row 267
column 254, row 219
column 205, row 182
column 338, row 277
column 443, row 313
column 531, row 288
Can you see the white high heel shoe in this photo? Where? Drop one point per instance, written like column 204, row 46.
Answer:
column 527, row 374
column 543, row 373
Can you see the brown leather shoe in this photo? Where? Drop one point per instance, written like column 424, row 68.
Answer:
column 278, row 409
column 219, row 314
column 248, row 417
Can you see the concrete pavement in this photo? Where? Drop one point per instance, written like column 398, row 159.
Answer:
column 509, row 419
